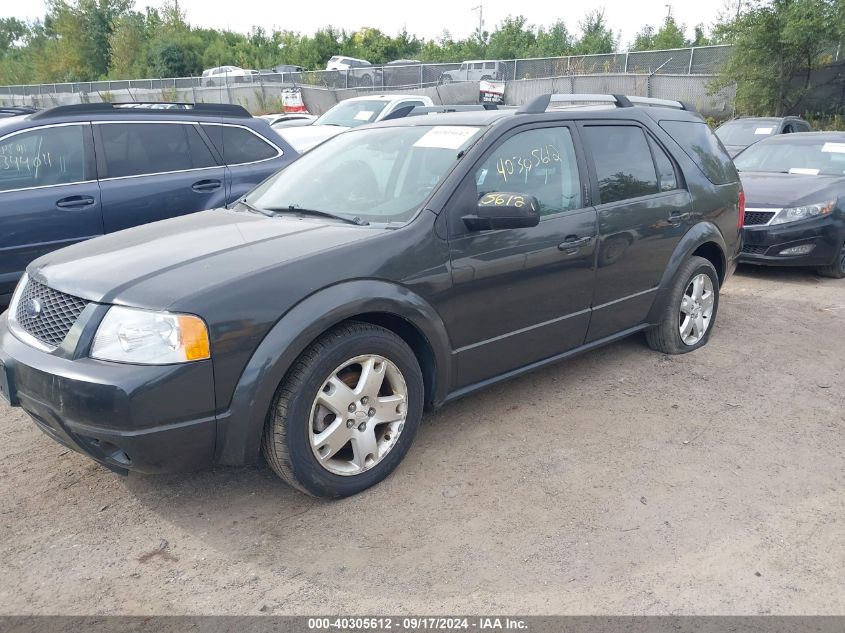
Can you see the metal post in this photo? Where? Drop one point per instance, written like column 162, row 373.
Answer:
column 347, row 78
column 515, row 62
column 626, row 62
column 691, row 55
column 421, row 74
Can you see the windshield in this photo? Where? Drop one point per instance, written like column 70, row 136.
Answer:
column 746, row 132
column 797, row 155
column 378, row 175
column 353, row 113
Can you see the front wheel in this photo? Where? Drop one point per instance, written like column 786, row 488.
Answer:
column 837, row 269
column 690, row 312
column 347, row 412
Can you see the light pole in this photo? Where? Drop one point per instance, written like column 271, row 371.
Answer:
column 480, row 9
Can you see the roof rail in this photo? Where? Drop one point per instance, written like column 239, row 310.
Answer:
column 164, row 108
column 406, row 111
column 541, row 104
column 16, row 110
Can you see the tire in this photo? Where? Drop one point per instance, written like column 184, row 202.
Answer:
column 666, row 336
column 837, row 269
column 445, row 80
column 299, row 415
column 367, row 81
column 486, row 78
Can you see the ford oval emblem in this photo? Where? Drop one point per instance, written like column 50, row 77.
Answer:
column 33, row 308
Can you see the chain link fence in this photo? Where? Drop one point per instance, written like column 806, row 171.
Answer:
column 692, row 61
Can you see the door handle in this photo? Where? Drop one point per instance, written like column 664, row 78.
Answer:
column 676, row 217
column 75, row 202
column 205, row 186
column 573, row 242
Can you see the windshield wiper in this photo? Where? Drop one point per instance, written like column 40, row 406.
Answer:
column 292, row 208
column 256, row 209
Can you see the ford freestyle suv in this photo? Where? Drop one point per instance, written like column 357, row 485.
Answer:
column 74, row 172
column 392, row 269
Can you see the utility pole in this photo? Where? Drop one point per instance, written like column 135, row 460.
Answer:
column 480, row 9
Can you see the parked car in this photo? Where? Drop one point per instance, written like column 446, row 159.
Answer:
column 402, row 72
column 475, row 70
column 225, row 75
column 74, row 172
column 394, row 268
column 346, row 115
column 355, row 72
column 740, row 133
column 795, row 187
column 292, row 119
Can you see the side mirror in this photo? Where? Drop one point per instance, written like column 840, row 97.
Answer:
column 504, row 210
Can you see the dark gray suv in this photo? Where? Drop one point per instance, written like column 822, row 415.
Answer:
column 392, row 269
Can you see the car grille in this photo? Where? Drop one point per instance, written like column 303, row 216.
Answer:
column 46, row 314
column 750, row 249
column 753, row 218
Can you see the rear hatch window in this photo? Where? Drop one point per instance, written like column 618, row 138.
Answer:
column 702, row 146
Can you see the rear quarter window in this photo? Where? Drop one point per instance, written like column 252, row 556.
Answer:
column 705, row 150
column 239, row 145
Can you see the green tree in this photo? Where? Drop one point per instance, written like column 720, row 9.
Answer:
column 596, row 36
column 669, row 35
column 777, row 46
column 512, row 39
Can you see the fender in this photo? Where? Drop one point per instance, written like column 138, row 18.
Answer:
column 239, row 428
column 699, row 234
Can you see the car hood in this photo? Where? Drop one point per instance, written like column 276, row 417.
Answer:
column 304, row 138
column 155, row 265
column 763, row 189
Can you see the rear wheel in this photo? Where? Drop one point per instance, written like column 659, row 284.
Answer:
column 689, row 314
column 837, row 268
column 347, row 412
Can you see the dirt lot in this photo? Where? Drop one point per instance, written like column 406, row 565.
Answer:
column 623, row 481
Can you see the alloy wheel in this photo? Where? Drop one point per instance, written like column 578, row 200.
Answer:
column 696, row 309
column 358, row 415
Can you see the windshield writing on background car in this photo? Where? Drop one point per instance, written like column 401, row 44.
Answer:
column 379, row 175
column 804, row 156
column 745, row 133
column 352, row 113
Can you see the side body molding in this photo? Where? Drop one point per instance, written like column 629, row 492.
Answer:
column 700, row 233
column 239, row 428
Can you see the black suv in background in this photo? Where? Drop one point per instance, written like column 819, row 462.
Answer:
column 738, row 134
column 74, row 172
column 393, row 268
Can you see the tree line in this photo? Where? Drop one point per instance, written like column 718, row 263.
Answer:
column 778, row 45
column 87, row 40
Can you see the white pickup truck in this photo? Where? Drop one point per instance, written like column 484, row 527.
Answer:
column 346, row 115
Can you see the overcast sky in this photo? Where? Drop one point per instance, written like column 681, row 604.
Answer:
column 426, row 19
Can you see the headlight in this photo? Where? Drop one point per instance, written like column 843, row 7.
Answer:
column 130, row 335
column 793, row 214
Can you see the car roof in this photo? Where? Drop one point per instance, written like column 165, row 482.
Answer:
column 382, row 98
column 835, row 137
column 212, row 113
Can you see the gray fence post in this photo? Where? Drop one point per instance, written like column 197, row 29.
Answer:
column 515, row 62
column 691, row 55
column 626, row 61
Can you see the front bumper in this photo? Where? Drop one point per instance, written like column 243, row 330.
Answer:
column 149, row 419
column 763, row 244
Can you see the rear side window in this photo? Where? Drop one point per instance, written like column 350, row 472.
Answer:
column 238, row 145
column 666, row 176
column 622, row 159
column 702, row 146
column 136, row 149
column 47, row 156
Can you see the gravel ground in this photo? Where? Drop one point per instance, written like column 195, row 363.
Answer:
column 622, row 481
